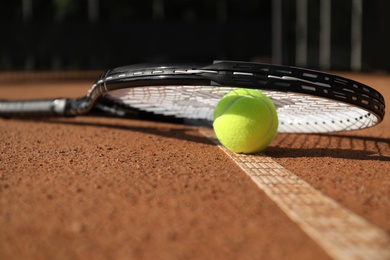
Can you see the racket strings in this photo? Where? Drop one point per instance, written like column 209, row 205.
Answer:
column 297, row 112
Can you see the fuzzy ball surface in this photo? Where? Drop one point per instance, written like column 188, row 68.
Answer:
column 245, row 121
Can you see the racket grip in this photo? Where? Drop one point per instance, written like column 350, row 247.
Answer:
column 33, row 108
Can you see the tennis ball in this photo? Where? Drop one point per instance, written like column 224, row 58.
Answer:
column 245, row 121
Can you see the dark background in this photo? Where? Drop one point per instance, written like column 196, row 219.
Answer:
column 67, row 35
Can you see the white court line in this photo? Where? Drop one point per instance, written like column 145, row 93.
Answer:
column 340, row 232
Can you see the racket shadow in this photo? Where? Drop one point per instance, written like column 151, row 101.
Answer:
column 162, row 128
column 328, row 145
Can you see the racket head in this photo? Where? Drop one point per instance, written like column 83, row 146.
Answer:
column 307, row 101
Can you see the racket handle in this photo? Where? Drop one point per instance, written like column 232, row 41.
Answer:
column 33, row 108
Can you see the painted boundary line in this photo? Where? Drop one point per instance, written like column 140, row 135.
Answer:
column 340, row 232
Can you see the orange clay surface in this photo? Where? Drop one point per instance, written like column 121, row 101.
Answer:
column 109, row 188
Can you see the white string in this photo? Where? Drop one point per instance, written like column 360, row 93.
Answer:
column 298, row 113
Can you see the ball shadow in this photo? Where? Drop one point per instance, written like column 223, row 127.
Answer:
column 330, row 145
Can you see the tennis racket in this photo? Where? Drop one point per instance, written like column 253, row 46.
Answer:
column 307, row 101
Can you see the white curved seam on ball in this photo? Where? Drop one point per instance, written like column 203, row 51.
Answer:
column 227, row 108
column 266, row 133
column 269, row 128
column 223, row 112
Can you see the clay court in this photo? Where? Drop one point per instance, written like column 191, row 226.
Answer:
column 100, row 187
column 108, row 188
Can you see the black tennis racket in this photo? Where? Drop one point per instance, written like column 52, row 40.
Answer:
column 307, row 101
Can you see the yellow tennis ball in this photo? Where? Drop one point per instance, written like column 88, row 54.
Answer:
column 245, row 121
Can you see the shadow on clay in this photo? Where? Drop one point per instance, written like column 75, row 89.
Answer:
column 284, row 146
column 164, row 131
column 328, row 145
